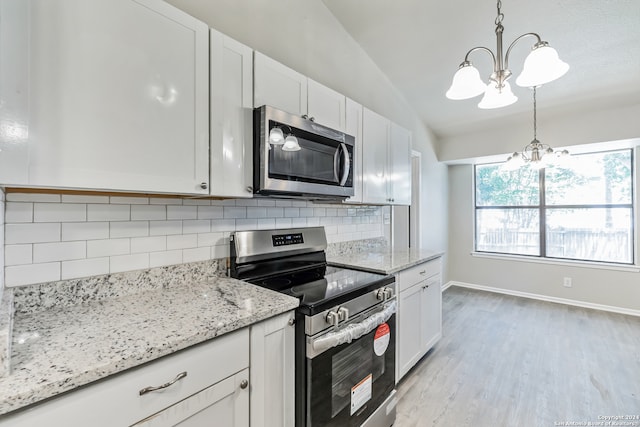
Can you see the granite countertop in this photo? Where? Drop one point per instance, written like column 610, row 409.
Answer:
column 61, row 348
column 383, row 260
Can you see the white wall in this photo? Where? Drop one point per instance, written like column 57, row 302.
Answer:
column 305, row 36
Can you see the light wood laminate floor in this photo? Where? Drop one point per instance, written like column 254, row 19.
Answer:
column 510, row 361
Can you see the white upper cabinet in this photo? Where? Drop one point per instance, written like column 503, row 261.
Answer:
column 375, row 137
column 281, row 87
column 278, row 86
column 386, row 161
column 107, row 94
column 231, row 68
column 399, row 165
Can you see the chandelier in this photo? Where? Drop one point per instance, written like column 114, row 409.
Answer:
column 541, row 66
column 535, row 153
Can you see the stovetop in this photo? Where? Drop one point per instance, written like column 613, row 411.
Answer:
column 323, row 287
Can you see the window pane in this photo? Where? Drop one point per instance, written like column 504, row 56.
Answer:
column 511, row 231
column 595, row 178
column 590, row 234
column 496, row 186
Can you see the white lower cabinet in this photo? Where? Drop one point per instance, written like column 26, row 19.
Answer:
column 217, row 383
column 419, row 324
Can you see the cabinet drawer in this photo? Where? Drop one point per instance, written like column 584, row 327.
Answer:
column 116, row 400
column 418, row 273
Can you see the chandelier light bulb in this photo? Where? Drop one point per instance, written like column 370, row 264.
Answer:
column 496, row 98
column 291, row 144
column 276, row 137
column 542, row 65
column 466, row 83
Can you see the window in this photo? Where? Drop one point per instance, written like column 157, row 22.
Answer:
column 579, row 210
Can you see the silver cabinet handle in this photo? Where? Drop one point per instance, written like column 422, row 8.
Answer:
column 304, row 116
column 244, row 384
column 423, row 272
column 313, row 119
column 180, row 376
column 292, row 321
column 203, row 185
column 249, row 189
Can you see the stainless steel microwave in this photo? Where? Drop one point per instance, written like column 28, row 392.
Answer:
column 296, row 157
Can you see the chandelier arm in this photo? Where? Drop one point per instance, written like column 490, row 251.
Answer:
column 506, row 57
column 486, row 49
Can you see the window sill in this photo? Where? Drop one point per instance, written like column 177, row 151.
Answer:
column 567, row 263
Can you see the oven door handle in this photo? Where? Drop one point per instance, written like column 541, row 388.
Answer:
column 353, row 331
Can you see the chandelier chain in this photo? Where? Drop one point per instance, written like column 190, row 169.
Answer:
column 535, row 121
column 500, row 16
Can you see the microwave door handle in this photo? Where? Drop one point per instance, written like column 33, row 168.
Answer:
column 336, row 164
column 347, row 164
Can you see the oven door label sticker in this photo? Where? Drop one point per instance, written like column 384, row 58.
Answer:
column 361, row 393
column 381, row 339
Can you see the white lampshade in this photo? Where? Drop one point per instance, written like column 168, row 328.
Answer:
column 466, row 83
column 291, row 144
column 276, row 137
column 494, row 98
column 541, row 66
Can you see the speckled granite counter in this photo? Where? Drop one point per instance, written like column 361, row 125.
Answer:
column 382, row 259
column 63, row 347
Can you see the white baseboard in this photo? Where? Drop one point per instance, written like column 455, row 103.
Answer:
column 540, row 297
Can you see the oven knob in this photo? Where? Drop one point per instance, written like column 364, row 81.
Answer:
column 343, row 314
column 388, row 293
column 333, row 318
column 380, row 295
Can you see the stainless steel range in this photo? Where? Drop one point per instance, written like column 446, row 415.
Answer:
column 345, row 326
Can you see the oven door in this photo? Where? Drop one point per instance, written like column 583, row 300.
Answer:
column 348, row 382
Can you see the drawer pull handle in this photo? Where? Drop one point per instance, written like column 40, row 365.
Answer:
column 180, row 376
column 244, row 384
column 423, row 272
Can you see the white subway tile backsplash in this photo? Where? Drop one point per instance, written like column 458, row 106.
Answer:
column 196, row 226
column 59, row 251
column 96, row 212
column 18, row 254
column 59, row 212
column 108, row 247
column 32, row 197
column 196, row 254
column 18, row 275
column 128, row 229
column 148, row 244
column 182, row 241
column 182, row 212
column 84, row 268
column 85, row 231
column 160, row 259
column 235, row 212
column 32, row 233
column 18, row 212
column 148, row 212
column 84, row 235
column 128, row 262
column 119, row 200
column 165, row 228
column 210, row 212
column 81, row 198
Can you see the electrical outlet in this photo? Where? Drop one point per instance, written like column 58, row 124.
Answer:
column 567, row 282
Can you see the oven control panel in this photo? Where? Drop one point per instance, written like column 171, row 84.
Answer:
column 287, row 239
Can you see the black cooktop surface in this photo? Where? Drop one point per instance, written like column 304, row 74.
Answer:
column 324, row 286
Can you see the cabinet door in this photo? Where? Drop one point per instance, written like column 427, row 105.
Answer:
column 117, row 96
column 353, row 126
column 223, row 404
column 410, row 329
column 325, row 105
column 272, row 372
column 231, row 67
column 400, row 165
column 278, row 85
column 432, row 312
column 375, row 134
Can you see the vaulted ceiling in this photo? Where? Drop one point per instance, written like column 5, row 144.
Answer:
column 419, row 44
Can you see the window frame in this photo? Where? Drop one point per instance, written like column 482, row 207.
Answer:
column 543, row 208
